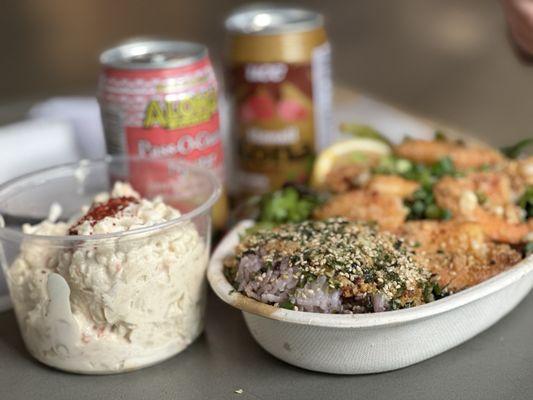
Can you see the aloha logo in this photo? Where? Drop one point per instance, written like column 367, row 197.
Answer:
column 181, row 113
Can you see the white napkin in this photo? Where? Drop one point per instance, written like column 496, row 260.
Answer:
column 83, row 115
column 34, row 144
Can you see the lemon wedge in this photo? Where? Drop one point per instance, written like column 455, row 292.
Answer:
column 345, row 152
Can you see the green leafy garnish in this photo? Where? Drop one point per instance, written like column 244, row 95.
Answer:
column 428, row 293
column 286, row 205
column 422, row 204
column 392, row 165
column 433, row 291
column 437, row 290
column 287, row 305
column 443, row 167
column 528, row 248
column 291, row 204
column 425, row 175
column 517, row 149
column 481, row 197
column 526, row 201
column 440, row 136
column 363, row 131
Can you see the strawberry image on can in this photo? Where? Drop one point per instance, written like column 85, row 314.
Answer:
column 279, row 75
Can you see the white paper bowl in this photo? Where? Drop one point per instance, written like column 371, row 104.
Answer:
column 369, row 343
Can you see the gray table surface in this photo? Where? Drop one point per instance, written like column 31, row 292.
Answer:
column 497, row 364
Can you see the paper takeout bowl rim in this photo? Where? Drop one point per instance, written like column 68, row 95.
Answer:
column 229, row 295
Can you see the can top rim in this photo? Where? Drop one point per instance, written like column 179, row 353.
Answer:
column 271, row 19
column 152, row 53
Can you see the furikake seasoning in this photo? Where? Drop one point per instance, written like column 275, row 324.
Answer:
column 333, row 266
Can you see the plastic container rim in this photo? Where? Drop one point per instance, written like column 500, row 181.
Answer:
column 28, row 179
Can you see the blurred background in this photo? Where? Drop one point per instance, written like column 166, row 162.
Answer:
column 450, row 61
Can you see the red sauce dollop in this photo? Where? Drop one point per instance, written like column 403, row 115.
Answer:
column 99, row 211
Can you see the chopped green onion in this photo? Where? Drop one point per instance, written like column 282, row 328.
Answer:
column 287, row 305
column 291, row 204
column 481, row 197
column 517, row 149
column 440, row 136
column 528, row 249
column 526, row 201
column 433, row 212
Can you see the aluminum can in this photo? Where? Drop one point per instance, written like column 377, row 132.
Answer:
column 279, row 73
column 159, row 98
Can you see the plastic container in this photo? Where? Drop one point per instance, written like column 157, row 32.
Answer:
column 113, row 302
column 370, row 343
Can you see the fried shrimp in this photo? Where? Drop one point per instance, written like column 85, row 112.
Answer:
column 520, row 173
column 460, row 253
column 393, row 185
column 347, row 177
column 487, row 198
column 386, row 210
column 463, row 156
column 461, row 195
column 500, row 229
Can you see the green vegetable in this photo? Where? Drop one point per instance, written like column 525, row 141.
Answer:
column 290, row 204
column 440, row 136
column 417, row 210
column 433, row 211
column 443, row 167
column 287, row 305
column 446, row 214
column 425, row 175
column 526, row 201
column 528, row 249
column 403, row 166
column 433, row 291
column 363, row 131
column 517, row 149
column 481, row 197
column 422, row 204
column 428, row 293
column 437, row 290
column 392, row 165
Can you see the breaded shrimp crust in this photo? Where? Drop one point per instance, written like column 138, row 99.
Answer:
column 520, row 173
column 386, row 210
column 491, row 188
column 460, row 253
column 463, row 156
column 393, row 185
column 486, row 198
column 347, row 177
